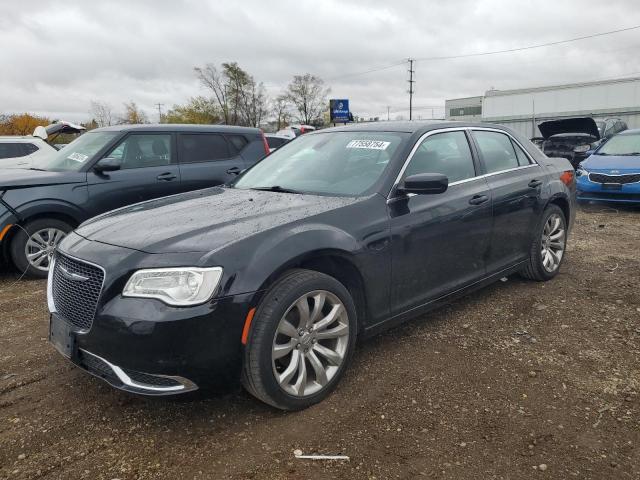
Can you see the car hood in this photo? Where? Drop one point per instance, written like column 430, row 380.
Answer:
column 204, row 220
column 569, row 125
column 606, row 163
column 22, row 178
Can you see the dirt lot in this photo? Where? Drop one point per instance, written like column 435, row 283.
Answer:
column 520, row 380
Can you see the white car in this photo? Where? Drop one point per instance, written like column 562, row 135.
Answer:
column 21, row 152
column 275, row 141
column 25, row 151
column 294, row 131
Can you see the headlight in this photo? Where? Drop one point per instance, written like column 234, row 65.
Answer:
column 580, row 171
column 582, row 148
column 180, row 287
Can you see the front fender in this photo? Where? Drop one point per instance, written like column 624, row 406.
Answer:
column 273, row 254
column 46, row 206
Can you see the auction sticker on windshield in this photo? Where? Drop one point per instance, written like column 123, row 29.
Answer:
column 78, row 157
column 369, row 144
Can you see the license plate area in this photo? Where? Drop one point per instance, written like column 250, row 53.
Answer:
column 61, row 336
column 612, row 186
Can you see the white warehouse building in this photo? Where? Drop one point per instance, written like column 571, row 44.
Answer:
column 524, row 109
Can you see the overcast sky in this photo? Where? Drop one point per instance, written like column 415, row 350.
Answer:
column 58, row 56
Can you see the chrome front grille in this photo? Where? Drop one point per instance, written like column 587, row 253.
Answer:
column 604, row 178
column 76, row 288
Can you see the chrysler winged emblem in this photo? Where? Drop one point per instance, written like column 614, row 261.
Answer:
column 72, row 276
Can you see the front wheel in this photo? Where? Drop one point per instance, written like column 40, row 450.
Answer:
column 548, row 247
column 33, row 245
column 301, row 340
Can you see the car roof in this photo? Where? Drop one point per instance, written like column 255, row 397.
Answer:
column 633, row 131
column 178, row 127
column 407, row 127
column 20, row 138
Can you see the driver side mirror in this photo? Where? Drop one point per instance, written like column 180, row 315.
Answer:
column 425, row 183
column 108, row 164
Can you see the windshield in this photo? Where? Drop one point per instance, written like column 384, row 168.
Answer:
column 621, row 145
column 75, row 155
column 600, row 126
column 333, row 163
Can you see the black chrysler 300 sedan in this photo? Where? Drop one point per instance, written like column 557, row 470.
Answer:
column 337, row 235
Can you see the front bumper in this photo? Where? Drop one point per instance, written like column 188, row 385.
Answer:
column 143, row 345
column 593, row 191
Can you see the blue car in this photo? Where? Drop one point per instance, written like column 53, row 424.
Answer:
column 612, row 173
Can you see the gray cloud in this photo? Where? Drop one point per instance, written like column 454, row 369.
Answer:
column 57, row 57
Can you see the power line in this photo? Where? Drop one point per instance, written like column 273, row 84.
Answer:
column 529, row 47
column 355, row 74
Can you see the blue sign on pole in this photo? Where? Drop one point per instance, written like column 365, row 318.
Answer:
column 339, row 110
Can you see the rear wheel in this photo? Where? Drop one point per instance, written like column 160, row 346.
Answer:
column 548, row 247
column 33, row 245
column 301, row 340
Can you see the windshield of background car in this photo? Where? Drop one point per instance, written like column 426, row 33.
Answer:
column 600, row 126
column 621, row 145
column 332, row 163
column 75, row 155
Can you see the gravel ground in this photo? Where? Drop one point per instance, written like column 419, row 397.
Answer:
column 519, row 380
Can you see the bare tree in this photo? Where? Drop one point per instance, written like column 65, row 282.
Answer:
column 242, row 101
column 254, row 103
column 214, row 81
column 101, row 113
column 309, row 96
column 280, row 110
column 133, row 114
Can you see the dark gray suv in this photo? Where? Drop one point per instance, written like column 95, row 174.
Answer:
column 109, row 168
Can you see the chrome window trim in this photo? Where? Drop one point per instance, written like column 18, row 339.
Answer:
column 424, row 136
column 526, row 152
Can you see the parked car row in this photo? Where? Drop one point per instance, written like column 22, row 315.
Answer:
column 108, row 168
column 272, row 277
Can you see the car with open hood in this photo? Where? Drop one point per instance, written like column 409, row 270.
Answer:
column 575, row 138
column 334, row 236
column 108, row 168
column 24, row 151
column 612, row 173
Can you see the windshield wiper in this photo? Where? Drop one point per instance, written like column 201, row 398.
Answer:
column 37, row 169
column 276, row 188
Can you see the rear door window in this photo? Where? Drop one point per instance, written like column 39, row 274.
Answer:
column 11, row 150
column 29, row 148
column 205, row 147
column 523, row 159
column 497, row 151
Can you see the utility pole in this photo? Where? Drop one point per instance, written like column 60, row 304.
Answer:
column 388, row 112
column 160, row 105
column 411, row 82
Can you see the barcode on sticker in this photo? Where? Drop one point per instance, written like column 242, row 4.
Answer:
column 370, row 144
column 78, row 157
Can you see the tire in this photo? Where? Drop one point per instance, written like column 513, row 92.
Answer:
column 266, row 335
column 37, row 230
column 537, row 268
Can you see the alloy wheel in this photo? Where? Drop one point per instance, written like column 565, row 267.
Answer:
column 41, row 246
column 310, row 343
column 553, row 243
